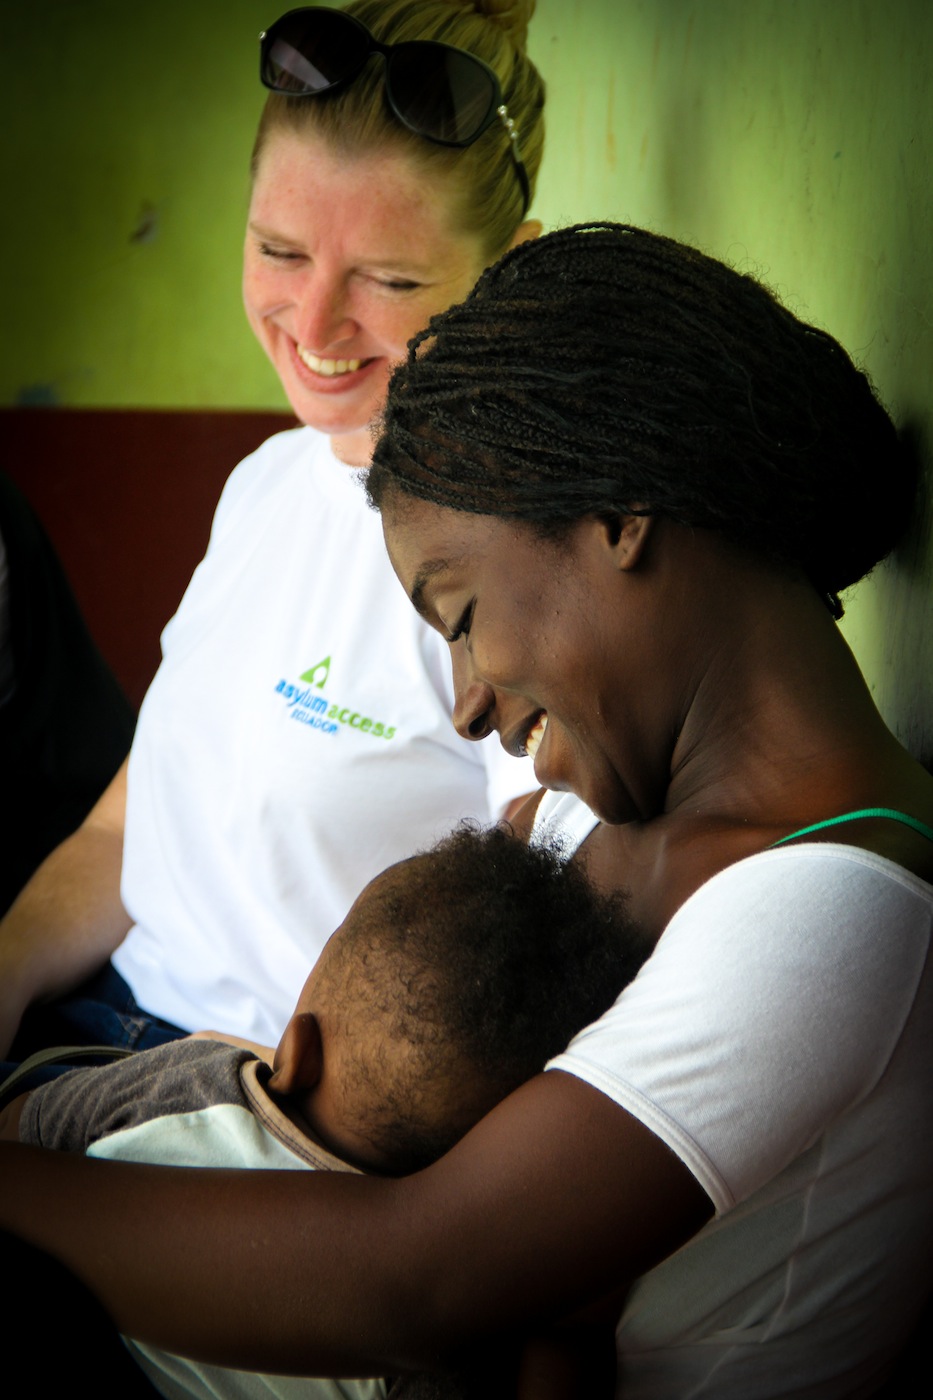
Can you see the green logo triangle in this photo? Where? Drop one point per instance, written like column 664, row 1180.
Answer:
column 318, row 674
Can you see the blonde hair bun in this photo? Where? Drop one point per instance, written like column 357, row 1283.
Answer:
column 511, row 16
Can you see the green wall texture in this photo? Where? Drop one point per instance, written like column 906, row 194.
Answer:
column 790, row 137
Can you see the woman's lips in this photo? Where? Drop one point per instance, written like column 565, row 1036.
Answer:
column 329, row 375
column 328, row 368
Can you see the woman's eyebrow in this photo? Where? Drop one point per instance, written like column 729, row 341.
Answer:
column 264, row 230
column 423, row 577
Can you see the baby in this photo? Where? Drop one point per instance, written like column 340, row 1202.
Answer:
column 455, row 976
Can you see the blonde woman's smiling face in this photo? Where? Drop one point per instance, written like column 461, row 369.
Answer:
column 346, row 258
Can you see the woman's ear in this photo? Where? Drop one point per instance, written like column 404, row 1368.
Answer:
column 299, row 1060
column 627, row 534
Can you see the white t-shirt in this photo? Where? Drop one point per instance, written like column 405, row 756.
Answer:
column 295, row 741
column 778, row 1040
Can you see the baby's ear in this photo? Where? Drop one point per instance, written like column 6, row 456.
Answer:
column 299, row 1059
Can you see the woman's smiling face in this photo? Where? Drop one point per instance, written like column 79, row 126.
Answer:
column 346, row 259
column 534, row 636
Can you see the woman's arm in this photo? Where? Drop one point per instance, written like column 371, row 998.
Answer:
column 557, row 1198
column 69, row 918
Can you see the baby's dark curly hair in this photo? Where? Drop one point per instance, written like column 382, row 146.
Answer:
column 604, row 368
column 479, row 960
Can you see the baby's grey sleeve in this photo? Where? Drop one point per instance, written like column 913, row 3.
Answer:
column 79, row 1108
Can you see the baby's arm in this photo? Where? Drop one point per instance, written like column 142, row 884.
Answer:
column 72, row 1112
column 135, row 1096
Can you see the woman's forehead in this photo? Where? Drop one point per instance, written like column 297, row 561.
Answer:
column 431, row 545
column 420, row 540
column 378, row 179
column 428, row 536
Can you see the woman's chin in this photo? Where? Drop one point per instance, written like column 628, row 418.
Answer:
column 342, row 407
column 603, row 794
column 352, row 436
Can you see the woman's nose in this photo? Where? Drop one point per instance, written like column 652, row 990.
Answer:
column 474, row 699
column 324, row 322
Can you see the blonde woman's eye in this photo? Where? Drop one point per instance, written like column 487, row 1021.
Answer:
column 267, row 250
column 398, row 284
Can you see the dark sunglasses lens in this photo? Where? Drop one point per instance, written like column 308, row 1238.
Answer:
column 312, row 50
column 440, row 92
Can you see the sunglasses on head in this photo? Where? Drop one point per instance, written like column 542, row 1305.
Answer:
column 439, row 92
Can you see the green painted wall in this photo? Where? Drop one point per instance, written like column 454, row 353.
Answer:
column 133, row 126
column 791, row 137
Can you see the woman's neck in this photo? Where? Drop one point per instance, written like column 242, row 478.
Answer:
column 770, row 707
column 354, row 449
column 776, row 729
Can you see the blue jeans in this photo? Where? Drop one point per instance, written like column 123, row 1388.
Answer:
column 102, row 1011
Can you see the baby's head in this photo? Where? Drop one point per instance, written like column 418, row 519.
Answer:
column 451, row 981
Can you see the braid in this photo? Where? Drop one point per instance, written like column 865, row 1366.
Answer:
column 604, row 368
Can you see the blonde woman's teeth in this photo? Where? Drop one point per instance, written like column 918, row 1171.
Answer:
column 327, row 367
column 535, row 735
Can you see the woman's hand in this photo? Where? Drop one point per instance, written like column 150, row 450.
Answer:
column 569, row 1363
column 265, row 1052
column 576, row 1358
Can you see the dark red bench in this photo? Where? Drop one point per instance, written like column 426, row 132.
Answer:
column 127, row 497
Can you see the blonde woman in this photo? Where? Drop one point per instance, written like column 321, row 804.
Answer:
column 297, row 738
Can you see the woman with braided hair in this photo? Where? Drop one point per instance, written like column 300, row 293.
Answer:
column 297, row 739
column 626, row 486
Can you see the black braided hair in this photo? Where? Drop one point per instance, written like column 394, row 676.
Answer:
column 604, row 368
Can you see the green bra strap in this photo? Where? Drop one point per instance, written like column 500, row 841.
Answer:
column 888, row 812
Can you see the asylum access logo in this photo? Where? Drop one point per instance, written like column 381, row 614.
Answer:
column 308, row 705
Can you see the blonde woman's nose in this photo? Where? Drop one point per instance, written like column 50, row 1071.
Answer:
column 324, row 322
